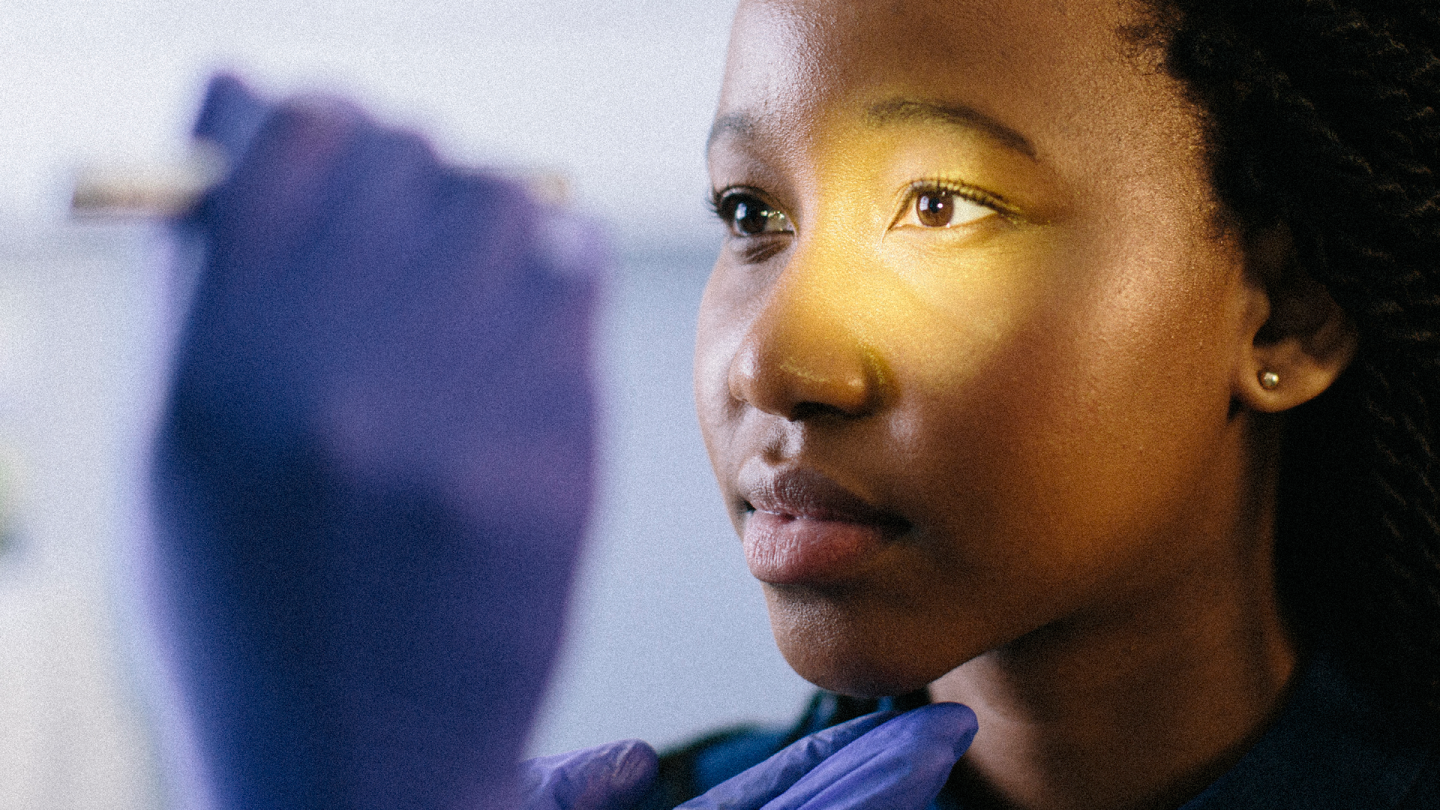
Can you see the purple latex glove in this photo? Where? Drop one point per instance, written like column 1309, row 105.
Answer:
column 608, row 777
column 375, row 467
column 880, row 761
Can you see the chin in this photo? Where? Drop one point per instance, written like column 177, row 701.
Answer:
column 857, row 681
column 856, row 655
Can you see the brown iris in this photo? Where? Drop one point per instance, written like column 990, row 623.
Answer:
column 935, row 208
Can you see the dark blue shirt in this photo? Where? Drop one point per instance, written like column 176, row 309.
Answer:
column 1333, row 746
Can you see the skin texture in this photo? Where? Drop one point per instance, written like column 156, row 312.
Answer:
column 1053, row 400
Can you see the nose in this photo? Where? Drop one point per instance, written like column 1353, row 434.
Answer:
column 801, row 356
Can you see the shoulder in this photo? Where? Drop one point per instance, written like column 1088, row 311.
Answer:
column 1424, row 794
column 1335, row 746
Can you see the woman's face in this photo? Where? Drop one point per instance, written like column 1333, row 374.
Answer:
column 965, row 363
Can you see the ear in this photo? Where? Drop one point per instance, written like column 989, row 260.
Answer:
column 1299, row 338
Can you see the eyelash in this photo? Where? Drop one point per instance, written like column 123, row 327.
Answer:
column 712, row 200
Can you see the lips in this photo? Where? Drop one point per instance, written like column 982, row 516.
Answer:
column 806, row 528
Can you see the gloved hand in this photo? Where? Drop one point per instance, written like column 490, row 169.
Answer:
column 375, row 468
column 878, row 762
column 608, row 777
column 882, row 761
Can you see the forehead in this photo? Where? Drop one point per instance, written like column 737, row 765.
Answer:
column 793, row 48
column 1062, row 74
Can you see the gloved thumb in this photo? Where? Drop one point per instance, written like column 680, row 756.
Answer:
column 882, row 760
column 901, row 765
column 606, row 777
column 753, row 788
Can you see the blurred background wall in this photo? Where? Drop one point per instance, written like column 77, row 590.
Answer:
column 668, row 636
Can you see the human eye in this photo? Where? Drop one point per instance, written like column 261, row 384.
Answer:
column 938, row 204
column 746, row 214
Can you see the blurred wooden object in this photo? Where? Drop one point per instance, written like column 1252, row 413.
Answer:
column 147, row 190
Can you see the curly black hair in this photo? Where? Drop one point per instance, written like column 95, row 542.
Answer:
column 1321, row 118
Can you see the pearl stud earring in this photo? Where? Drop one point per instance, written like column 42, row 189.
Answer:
column 1269, row 380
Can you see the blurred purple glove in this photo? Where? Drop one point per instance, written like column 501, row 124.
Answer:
column 881, row 761
column 608, row 777
column 375, row 466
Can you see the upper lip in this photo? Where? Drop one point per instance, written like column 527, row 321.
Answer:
column 802, row 492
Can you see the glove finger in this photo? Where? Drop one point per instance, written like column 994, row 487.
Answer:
column 606, row 777
column 900, row 765
column 751, row 789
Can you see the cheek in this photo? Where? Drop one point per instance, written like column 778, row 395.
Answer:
column 943, row 317
column 1085, row 432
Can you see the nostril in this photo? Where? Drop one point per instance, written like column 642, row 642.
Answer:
column 804, row 411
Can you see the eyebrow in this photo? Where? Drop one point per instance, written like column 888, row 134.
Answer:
column 896, row 111
column 905, row 110
column 737, row 124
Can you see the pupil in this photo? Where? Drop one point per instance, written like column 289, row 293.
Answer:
column 935, row 209
column 750, row 218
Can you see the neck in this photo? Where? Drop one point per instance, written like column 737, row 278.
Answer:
column 1128, row 729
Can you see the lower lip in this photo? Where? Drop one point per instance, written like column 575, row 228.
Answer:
column 787, row 550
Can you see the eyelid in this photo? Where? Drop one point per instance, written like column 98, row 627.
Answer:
column 718, row 197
